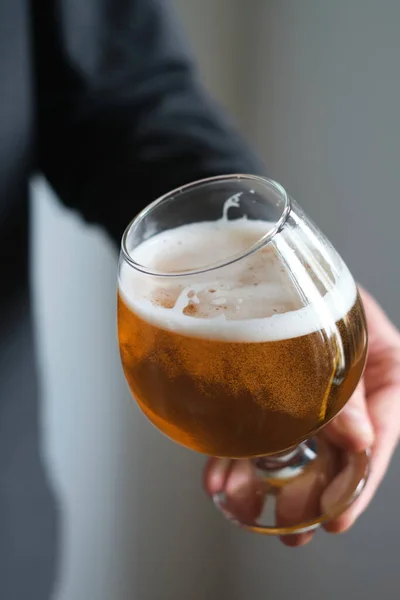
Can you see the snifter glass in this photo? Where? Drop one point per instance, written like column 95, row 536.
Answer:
column 242, row 334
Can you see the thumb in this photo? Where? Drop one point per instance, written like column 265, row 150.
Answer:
column 352, row 428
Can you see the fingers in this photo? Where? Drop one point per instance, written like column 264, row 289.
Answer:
column 215, row 474
column 298, row 540
column 382, row 333
column 382, row 389
column 297, row 503
column 244, row 498
column 244, row 495
column 352, row 429
column 385, row 416
column 242, row 490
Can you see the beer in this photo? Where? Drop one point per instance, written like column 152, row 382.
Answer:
column 243, row 360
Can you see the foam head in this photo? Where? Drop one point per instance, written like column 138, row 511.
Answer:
column 254, row 299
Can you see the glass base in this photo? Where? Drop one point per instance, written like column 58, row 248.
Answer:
column 294, row 492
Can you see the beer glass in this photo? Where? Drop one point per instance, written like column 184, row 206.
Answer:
column 241, row 335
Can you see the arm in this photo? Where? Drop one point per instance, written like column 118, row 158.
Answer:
column 122, row 117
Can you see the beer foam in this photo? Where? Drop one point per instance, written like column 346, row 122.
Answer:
column 252, row 300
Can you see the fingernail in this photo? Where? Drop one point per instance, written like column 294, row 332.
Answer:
column 219, row 473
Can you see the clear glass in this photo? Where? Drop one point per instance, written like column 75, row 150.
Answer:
column 242, row 334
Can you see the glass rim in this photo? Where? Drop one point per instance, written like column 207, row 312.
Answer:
column 263, row 241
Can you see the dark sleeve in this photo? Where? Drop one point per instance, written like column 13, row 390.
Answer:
column 122, row 117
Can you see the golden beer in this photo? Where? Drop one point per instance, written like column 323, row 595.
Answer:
column 237, row 362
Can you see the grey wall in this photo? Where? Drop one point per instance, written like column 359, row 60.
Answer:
column 321, row 105
column 323, row 110
column 220, row 35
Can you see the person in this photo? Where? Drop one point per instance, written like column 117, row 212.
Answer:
column 102, row 97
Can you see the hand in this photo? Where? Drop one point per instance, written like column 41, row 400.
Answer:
column 370, row 418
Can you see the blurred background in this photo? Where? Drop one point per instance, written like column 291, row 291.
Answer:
column 314, row 86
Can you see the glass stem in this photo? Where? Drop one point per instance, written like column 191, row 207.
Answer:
column 291, row 461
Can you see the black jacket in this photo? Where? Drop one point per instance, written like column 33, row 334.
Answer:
column 101, row 97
